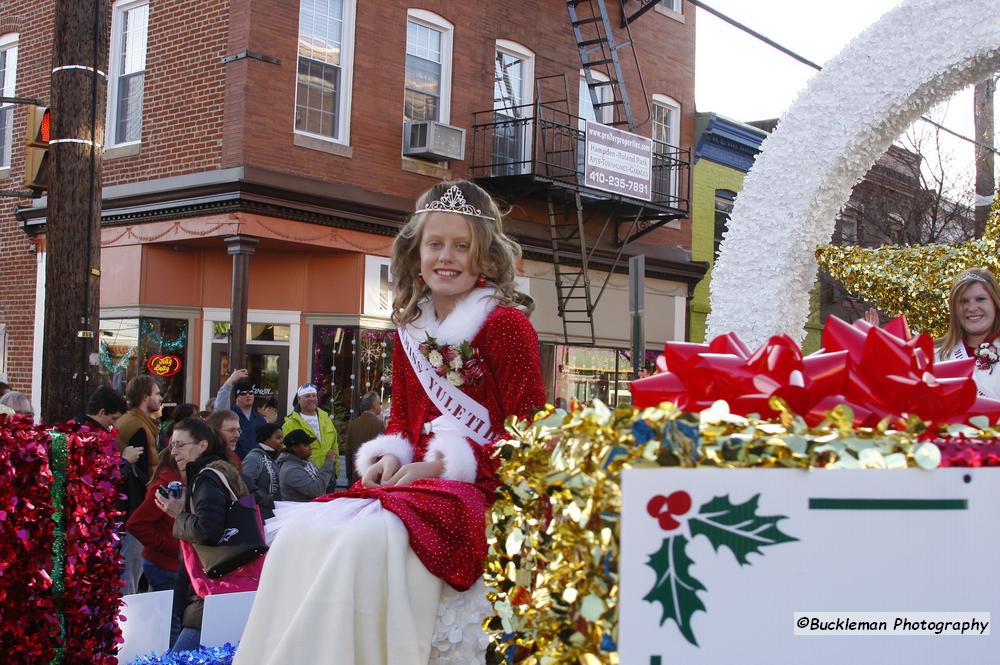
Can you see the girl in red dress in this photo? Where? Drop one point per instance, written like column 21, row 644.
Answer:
column 389, row 572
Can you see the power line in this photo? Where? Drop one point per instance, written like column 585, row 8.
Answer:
column 805, row 61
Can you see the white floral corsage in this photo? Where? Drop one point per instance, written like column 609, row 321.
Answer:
column 986, row 356
column 460, row 364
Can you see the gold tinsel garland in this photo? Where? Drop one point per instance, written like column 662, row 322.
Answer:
column 913, row 280
column 554, row 528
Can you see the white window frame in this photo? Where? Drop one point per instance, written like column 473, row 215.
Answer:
column 8, row 42
column 669, row 102
column 346, row 78
column 674, row 139
column 605, row 114
column 3, row 352
column 527, row 57
column 447, row 30
column 118, row 11
column 669, row 7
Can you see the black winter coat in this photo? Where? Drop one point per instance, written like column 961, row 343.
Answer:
column 204, row 516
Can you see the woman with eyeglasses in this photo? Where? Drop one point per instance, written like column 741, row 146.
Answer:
column 199, row 514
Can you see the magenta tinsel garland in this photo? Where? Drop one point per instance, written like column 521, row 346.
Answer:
column 29, row 612
column 93, row 564
column 29, row 627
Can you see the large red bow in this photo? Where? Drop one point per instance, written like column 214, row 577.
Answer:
column 878, row 372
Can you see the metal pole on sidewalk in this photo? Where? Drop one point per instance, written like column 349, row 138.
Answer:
column 636, row 306
column 241, row 248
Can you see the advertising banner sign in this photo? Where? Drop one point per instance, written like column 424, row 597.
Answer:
column 619, row 162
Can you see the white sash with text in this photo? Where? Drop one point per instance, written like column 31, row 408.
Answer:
column 471, row 418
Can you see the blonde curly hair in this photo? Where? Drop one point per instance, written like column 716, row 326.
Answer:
column 492, row 253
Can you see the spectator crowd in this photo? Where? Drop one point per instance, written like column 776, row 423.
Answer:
column 236, row 449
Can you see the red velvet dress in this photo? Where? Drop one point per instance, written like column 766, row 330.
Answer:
column 446, row 519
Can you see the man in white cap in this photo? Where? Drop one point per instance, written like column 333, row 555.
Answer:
column 313, row 420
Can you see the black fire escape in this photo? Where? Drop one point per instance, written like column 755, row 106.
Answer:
column 536, row 150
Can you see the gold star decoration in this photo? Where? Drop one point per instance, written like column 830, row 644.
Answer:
column 913, row 280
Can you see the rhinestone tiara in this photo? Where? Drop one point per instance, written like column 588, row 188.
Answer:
column 454, row 201
column 968, row 275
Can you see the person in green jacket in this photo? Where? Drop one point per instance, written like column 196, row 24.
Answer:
column 315, row 421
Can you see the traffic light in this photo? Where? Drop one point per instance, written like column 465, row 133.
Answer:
column 36, row 149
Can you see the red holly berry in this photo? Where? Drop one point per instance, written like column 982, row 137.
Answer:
column 664, row 508
column 679, row 502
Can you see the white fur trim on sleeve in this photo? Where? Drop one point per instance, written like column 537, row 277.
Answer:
column 383, row 444
column 459, row 461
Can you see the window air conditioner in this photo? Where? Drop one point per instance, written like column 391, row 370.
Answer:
column 428, row 139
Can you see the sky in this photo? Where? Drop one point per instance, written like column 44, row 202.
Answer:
column 761, row 82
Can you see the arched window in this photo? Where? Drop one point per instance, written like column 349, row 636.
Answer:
column 513, row 95
column 427, row 80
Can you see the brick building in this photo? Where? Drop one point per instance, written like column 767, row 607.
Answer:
column 286, row 122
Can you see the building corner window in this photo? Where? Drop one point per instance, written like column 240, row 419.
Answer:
column 325, row 69
column 127, row 77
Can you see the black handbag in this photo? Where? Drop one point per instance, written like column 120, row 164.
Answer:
column 241, row 541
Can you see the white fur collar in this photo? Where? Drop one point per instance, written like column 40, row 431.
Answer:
column 461, row 325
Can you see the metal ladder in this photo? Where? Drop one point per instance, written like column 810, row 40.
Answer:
column 573, row 296
column 599, row 53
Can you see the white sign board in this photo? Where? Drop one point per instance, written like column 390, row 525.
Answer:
column 618, row 161
column 225, row 617
column 720, row 565
column 378, row 286
column 146, row 627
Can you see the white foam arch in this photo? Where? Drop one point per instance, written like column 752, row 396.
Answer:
column 915, row 56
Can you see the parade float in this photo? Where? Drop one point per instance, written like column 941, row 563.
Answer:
column 561, row 564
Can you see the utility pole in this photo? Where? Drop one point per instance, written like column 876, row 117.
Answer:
column 985, row 182
column 73, row 220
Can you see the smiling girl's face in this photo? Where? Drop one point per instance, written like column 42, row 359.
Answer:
column 976, row 311
column 446, row 259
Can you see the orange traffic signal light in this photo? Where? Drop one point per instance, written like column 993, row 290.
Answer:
column 36, row 148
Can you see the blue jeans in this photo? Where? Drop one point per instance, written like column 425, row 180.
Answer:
column 159, row 578
column 188, row 640
column 131, row 550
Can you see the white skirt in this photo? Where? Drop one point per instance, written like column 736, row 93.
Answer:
column 341, row 585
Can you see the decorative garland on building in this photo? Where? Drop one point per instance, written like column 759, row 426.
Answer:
column 156, row 340
column 111, row 366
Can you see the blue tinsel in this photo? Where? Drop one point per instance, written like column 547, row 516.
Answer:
column 204, row 656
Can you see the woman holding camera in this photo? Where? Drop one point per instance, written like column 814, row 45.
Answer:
column 200, row 519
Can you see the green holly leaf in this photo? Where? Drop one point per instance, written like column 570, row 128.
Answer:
column 675, row 589
column 737, row 527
